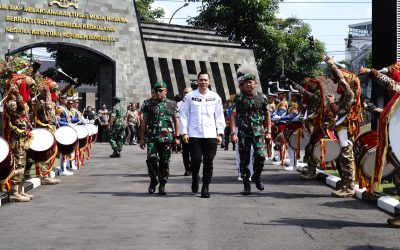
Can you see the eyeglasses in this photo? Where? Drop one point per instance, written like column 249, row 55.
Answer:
column 159, row 90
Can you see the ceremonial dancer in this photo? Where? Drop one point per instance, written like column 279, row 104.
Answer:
column 251, row 109
column 161, row 124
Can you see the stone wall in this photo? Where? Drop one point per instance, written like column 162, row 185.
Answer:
column 176, row 54
column 110, row 20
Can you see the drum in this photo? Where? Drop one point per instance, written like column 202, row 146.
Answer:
column 83, row 135
column 95, row 132
column 291, row 133
column 394, row 135
column 276, row 129
column 6, row 160
column 90, row 132
column 42, row 146
column 332, row 146
column 67, row 139
column 365, row 154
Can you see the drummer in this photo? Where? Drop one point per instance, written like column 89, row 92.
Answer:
column 341, row 108
column 390, row 78
column 16, row 131
column 64, row 119
column 313, row 98
column 44, row 117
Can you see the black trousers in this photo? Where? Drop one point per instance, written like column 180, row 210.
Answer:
column 186, row 155
column 202, row 150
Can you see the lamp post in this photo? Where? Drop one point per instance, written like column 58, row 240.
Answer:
column 10, row 37
column 183, row 6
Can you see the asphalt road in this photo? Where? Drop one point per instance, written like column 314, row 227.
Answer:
column 105, row 205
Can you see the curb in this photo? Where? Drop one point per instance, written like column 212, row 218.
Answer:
column 26, row 187
column 383, row 202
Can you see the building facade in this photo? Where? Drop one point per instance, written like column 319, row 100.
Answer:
column 131, row 55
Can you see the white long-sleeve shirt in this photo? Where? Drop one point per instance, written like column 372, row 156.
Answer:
column 202, row 116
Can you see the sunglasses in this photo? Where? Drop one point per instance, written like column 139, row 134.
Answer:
column 159, row 90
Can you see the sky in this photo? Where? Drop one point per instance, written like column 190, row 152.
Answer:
column 322, row 15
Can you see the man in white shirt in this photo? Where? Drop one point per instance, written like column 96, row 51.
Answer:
column 202, row 124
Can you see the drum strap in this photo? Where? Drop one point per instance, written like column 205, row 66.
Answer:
column 383, row 146
column 323, row 153
column 49, row 163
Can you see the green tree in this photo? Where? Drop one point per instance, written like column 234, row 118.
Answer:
column 146, row 13
column 278, row 43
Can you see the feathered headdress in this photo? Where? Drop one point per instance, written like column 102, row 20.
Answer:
column 246, row 68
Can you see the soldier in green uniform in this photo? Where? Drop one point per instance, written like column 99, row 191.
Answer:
column 161, row 121
column 251, row 109
column 118, row 125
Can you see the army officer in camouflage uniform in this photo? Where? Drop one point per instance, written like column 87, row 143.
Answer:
column 160, row 120
column 118, row 125
column 251, row 109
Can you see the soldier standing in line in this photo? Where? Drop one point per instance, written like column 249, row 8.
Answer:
column 251, row 109
column 161, row 121
column 117, row 124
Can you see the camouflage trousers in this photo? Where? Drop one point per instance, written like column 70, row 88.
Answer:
column 309, row 156
column 346, row 165
column 245, row 144
column 158, row 155
column 117, row 137
column 19, row 152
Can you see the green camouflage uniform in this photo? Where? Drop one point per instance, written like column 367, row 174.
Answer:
column 251, row 110
column 160, row 116
column 117, row 131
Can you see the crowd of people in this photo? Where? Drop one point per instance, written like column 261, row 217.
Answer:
column 319, row 116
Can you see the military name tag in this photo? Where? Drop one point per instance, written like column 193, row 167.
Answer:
column 196, row 99
column 210, row 99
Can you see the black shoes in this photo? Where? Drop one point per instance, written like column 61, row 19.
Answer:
column 152, row 187
column 246, row 187
column 204, row 191
column 115, row 154
column 195, row 184
column 161, row 189
column 187, row 173
column 259, row 184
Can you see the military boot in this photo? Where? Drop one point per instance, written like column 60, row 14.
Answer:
column 16, row 197
column 21, row 192
column 50, row 181
column 344, row 192
column 152, row 186
column 246, row 187
column 115, row 154
column 161, row 189
column 204, row 191
column 394, row 222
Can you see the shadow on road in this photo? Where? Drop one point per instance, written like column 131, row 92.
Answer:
column 349, row 203
column 317, row 223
